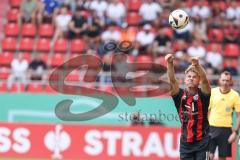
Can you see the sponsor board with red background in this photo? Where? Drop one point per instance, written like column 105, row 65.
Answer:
column 25, row 140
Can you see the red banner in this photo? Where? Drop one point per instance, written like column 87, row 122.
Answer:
column 83, row 142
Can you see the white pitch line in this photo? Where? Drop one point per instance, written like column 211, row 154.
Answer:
column 46, row 114
column 13, row 113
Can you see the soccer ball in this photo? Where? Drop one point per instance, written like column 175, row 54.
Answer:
column 178, row 19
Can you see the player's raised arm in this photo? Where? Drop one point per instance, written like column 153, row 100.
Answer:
column 205, row 85
column 171, row 74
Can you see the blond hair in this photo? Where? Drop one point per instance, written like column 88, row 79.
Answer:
column 192, row 69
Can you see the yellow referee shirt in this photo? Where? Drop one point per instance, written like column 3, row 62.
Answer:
column 221, row 107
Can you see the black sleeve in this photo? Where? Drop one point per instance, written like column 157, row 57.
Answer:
column 177, row 98
column 205, row 99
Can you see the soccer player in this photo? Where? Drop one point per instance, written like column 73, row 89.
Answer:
column 192, row 106
column 223, row 102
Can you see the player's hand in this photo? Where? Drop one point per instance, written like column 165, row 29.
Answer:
column 195, row 61
column 169, row 58
column 232, row 137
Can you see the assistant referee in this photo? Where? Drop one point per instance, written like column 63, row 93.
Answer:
column 223, row 102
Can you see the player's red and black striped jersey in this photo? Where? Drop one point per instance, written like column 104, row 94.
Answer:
column 193, row 113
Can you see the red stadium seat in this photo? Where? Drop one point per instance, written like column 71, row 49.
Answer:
column 179, row 45
column 11, row 30
column 232, row 62
column 130, row 58
column 160, row 60
column 218, row 46
column 123, row 91
column 6, row 58
column 134, row 5
column 73, row 65
column 28, row 30
column 57, row 59
column 73, row 76
column 169, row 32
column 49, row 90
column 144, row 59
column 3, row 87
column 43, row 45
column 133, row 29
column 222, row 5
column 17, row 87
column 215, row 35
column 27, row 56
column 35, row 88
column 231, row 50
column 26, row 44
column 106, row 88
column 9, row 44
column 86, row 91
column 4, row 72
column 15, row 3
column 91, row 63
column 12, row 15
column 60, row 46
column 77, row 46
column 133, row 18
column 46, row 30
column 44, row 57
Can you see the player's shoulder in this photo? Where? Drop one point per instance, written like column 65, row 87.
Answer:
column 234, row 93
column 215, row 90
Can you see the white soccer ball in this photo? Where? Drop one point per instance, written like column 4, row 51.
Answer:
column 178, row 19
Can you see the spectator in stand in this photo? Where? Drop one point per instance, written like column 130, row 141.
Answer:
column 100, row 6
column 93, row 30
column 233, row 12
column 120, row 69
column 74, row 4
column 48, row 11
column 231, row 32
column 115, row 13
column 214, row 57
column 166, row 3
column 86, row 4
column 200, row 28
column 185, row 33
column 162, row 44
column 37, row 69
column 78, row 25
column 229, row 67
column 127, row 33
column 145, row 37
column 184, row 6
column 200, row 9
column 197, row 50
column 19, row 67
column 216, row 9
column 163, row 19
column 181, row 55
column 28, row 12
column 105, row 76
column 111, row 34
column 83, row 4
column 61, row 24
column 149, row 11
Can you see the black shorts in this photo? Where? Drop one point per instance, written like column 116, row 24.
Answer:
column 196, row 150
column 219, row 138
